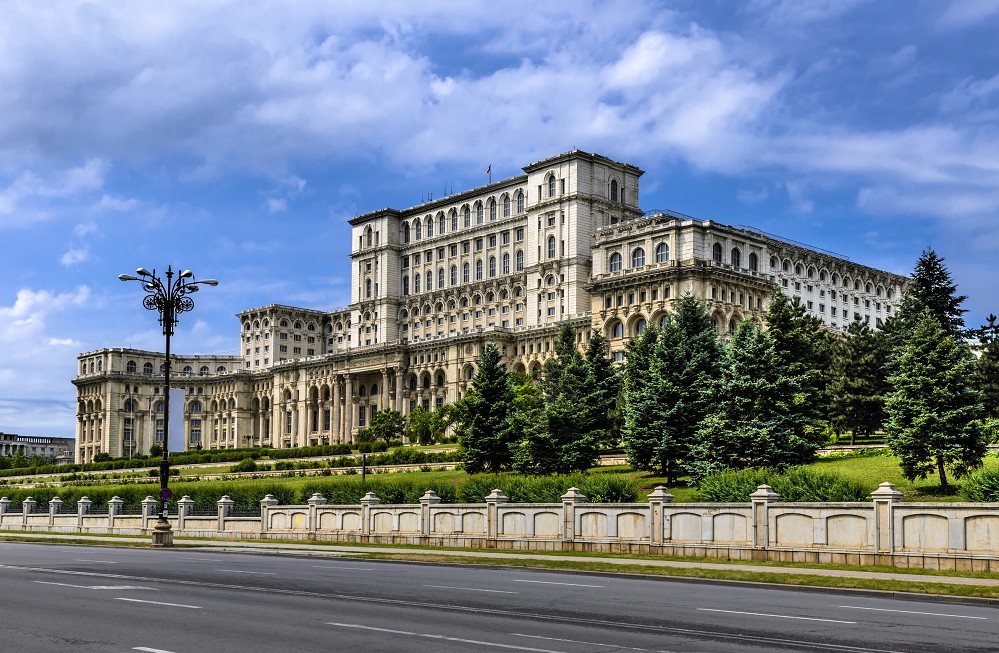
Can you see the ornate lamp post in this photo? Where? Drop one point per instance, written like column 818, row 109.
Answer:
column 168, row 299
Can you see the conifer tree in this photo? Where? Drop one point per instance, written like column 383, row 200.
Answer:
column 932, row 289
column 671, row 389
column 987, row 372
column 569, row 435
column 608, row 381
column 933, row 411
column 803, row 347
column 483, row 413
column 858, row 381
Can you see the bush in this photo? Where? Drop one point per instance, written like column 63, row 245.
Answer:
column 982, row 485
column 245, row 465
column 796, row 484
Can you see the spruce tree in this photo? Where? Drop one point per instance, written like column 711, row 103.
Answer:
column 569, row 435
column 609, row 383
column 858, row 381
column 933, row 411
column 932, row 289
column 987, row 370
column 803, row 347
column 483, row 414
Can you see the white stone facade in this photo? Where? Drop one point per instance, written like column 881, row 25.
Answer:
column 507, row 262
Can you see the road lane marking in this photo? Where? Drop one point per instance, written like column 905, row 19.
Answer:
column 931, row 614
column 151, row 650
column 258, row 573
column 97, row 587
column 171, row 605
column 549, row 582
column 777, row 616
column 470, row 589
column 99, row 562
column 616, row 647
column 338, row 568
column 442, row 638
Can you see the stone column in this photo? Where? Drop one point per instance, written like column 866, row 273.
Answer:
column 54, row 504
column 763, row 496
column 571, row 497
column 660, row 524
column 426, row 501
column 368, row 500
column 348, row 408
column 885, row 498
column 185, row 505
column 225, row 505
column 314, row 502
column 115, row 505
column 494, row 525
column 398, row 389
column 4, row 507
column 149, row 508
column 265, row 505
column 27, row 507
column 385, row 391
column 336, row 426
column 82, row 508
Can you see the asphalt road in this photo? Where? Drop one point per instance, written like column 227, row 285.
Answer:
column 79, row 598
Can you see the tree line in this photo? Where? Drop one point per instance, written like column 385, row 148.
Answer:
column 688, row 403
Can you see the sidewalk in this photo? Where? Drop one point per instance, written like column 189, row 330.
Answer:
column 305, row 548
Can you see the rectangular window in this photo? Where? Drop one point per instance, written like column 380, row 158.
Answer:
column 466, row 247
column 505, row 238
column 478, row 244
column 440, row 253
column 361, row 415
column 416, row 258
column 519, row 234
column 405, row 261
column 453, row 250
column 492, row 240
column 551, row 220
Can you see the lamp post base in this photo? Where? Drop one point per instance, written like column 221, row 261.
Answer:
column 162, row 534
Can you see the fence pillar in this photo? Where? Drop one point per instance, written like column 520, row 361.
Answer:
column 149, row 508
column 82, row 508
column 225, row 505
column 27, row 507
column 660, row 527
column 265, row 505
column 314, row 502
column 885, row 498
column 4, row 507
column 115, row 508
column 368, row 500
column 494, row 525
column 571, row 497
column 55, row 503
column 763, row 496
column 426, row 501
column 185, row 506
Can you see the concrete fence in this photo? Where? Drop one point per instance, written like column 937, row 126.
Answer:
column 963, row 536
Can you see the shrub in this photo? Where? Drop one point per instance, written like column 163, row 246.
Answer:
column 245, row 465
column 982, row 485
column 796, row 484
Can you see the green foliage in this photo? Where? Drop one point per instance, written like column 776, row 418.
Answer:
column 987, row 370
column 794, row 484
column 981, row 485
column 933, row 290
column 102, row 457
column 804, row 348
column 426, row 426
column 858, row 381
column 155, row 451
column 609, row 383
column 245, row 465
column 573, row 414
column 483, row 415
column 385, row 425
column 668, row 387
column 934, row 410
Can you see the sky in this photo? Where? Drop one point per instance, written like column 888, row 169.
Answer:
column 236, row 139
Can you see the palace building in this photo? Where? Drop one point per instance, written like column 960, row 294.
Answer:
column 566, row 241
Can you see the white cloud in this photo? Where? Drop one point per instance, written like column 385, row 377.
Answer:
column 968, row 92
column 965, row 13
column 75, row 255
column 21, row 197
column 117, row 204
column 85, row 229
column 277, row 205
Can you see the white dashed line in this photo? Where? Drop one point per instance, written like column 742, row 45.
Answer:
column 442, row 638
column 778, row 616
column 930, row 614
column 98, row 562
column 169, row 605
column 548, row 582
column 97, row 587
column 257, row 573
column 469, row 589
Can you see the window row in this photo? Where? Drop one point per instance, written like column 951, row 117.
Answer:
column 735, row 257
column 481, row 271
column 418, row 229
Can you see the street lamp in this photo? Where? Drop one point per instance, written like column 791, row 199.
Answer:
column 168, row 299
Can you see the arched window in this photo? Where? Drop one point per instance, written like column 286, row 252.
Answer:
column 640, row 326
column 130, row 367
column 551, row 246
column 638, row 257
column 430, row 280
column 467, row 216
column 617, row 331
column 492, row 210
column 506, row 206
column 367, row 288
column 492, row 266
column 430, row 227
column 405, row 232
column 716, row 252
column 416, row 282
column 615, row 262
column 405, row 285
column 551, row 185
column 478, row 213
column 441, row 223
column 195, row 406
column 440, row 278
column 731, row 327
column 454, row 220
column 613, row 190
column 520, row 202
column 478, row 269
column 147, row 368
column 520, row 260
column 440, row 380
column 367, row 233
column 129, row 406
column 188, row 369
column 736, row 258
column 464, row 272
column 454, row 275
column 204, row 371
column 662, row 253
column 220, row 369
column 754, row 261
column 417, row 230
column 506, row 263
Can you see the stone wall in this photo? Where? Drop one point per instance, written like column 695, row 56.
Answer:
column 884, row 531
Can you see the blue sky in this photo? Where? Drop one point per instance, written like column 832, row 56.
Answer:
column 237, row 138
